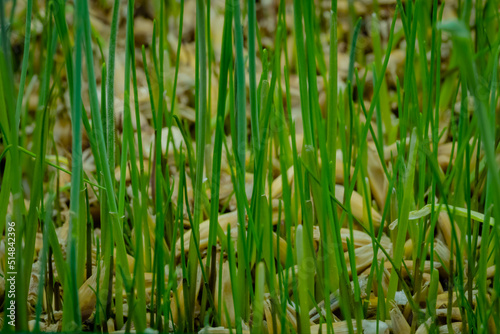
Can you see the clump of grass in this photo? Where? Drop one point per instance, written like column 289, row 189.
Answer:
column 339, row 214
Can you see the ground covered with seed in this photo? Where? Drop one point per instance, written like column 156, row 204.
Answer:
column 264, row 166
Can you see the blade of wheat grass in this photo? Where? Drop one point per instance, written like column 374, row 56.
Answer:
column 109, row 125
column 12, row 111
column 71, row 310
column 215, row 229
